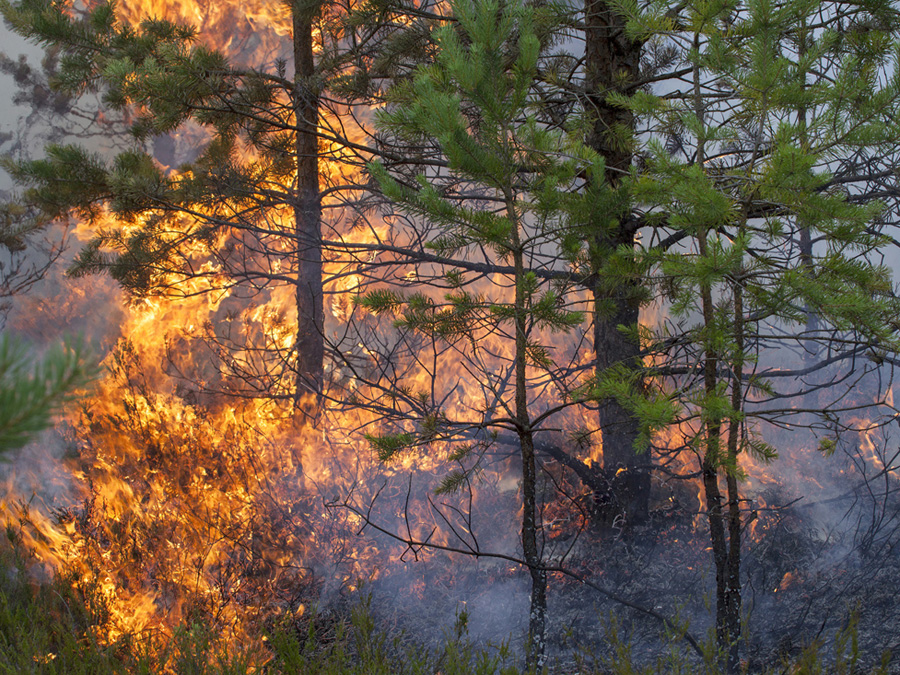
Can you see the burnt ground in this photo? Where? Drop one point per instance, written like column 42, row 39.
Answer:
column 805, row 581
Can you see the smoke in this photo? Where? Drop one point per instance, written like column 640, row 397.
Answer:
column 35, row 472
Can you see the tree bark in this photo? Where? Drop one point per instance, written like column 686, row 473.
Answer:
column 310, row 342
column 537, row 617
column 732, row 598
column 612, row 62
column 724, row 523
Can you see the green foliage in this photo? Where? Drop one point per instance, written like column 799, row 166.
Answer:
column 750, row 177
column 32, row 391
column 827, row 446
column 476, row 102
column 387, row 446
column 356, row 646
column 161, row 80
column 70, row 179
column 655, row 410
column 452, row 482
column 380, row 301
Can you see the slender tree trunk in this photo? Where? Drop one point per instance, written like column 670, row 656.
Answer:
column 712, row 460
column 724, row 523
column 806, row 245
column 732, row 597
column 612, row 62
column 310, row 343
column 724, row 526
column 537, row 618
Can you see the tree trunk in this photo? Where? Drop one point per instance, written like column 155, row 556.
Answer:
column 310, row 343
column 537, row 617
column 724, row 524
column 732, row 597
column 612, row 62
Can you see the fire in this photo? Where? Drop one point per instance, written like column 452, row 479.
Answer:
column 787, row 580
column 198, row 497
column 207, row 507
column 267, row 21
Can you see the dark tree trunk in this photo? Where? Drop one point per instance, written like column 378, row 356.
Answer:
column 724, row 519
column 537, row 617
column 310, row 344
column 531, row 523
column 732, row 597
column 725, row 537
column 612, row 62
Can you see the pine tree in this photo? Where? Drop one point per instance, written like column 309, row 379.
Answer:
column 244, row 216
column 758, row 233
column 32, row 391
column 612, row 66
column 506, row 198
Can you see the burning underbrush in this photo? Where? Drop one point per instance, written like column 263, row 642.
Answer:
column 167, row 512
column 236, row 519
column 182, row 508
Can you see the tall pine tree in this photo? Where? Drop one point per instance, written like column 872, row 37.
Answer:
column 505, row 227
column 758, row 245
